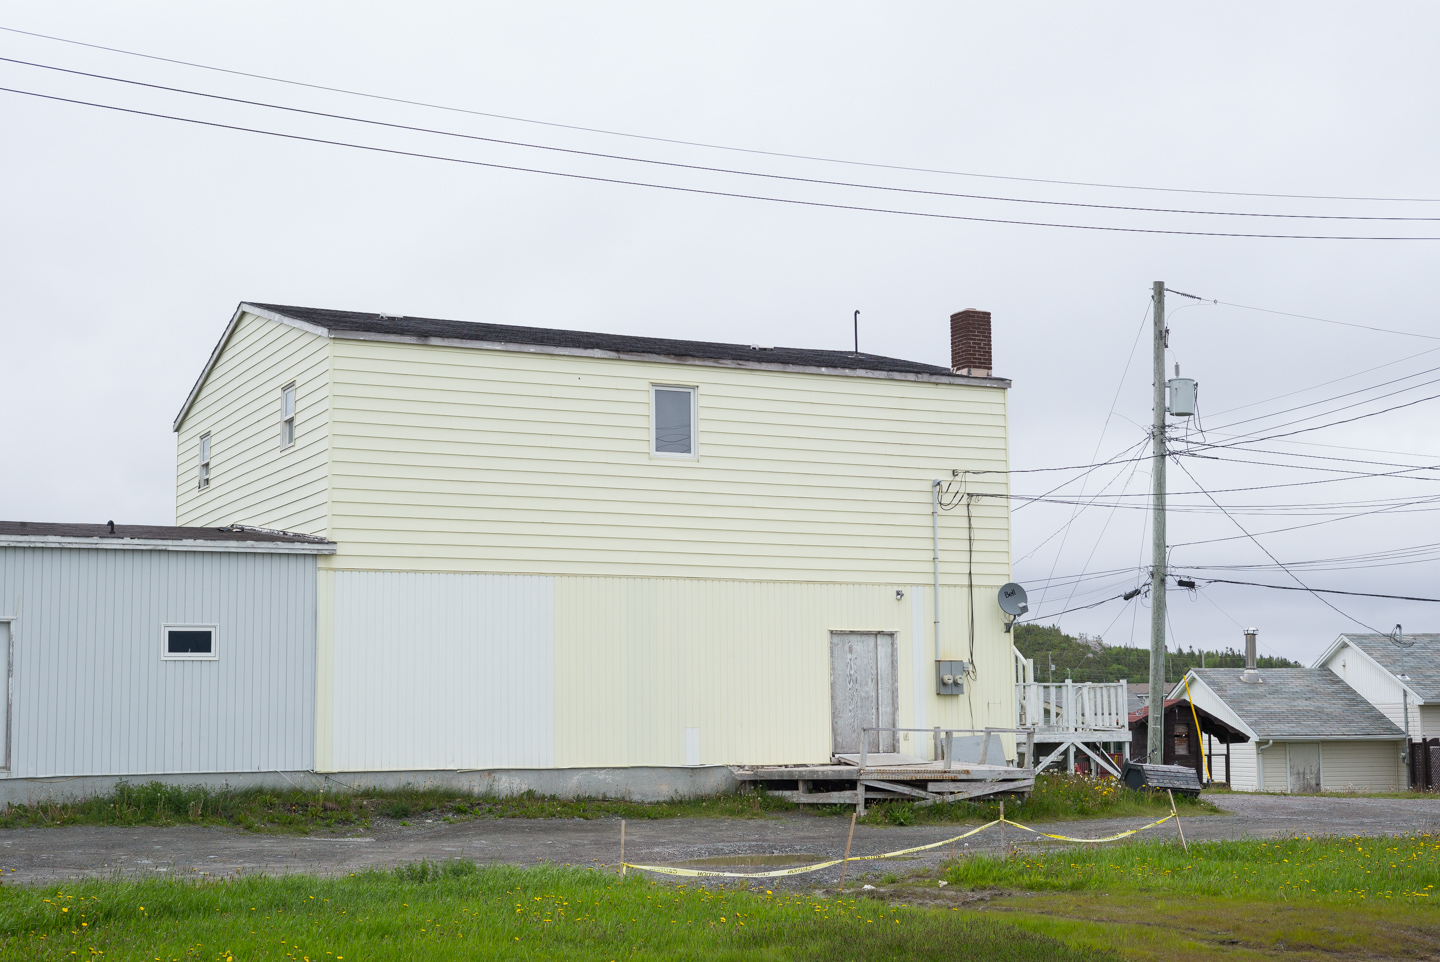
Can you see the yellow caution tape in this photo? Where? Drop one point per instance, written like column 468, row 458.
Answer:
column 803, row 869
column 669, row 870
column 1107, row 838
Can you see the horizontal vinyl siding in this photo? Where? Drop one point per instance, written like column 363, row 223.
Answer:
column 253, row 481
column 468, row 460
column 439, row 671
column 1429, row 717
column 1244, row 777
column 1361, row 766
column 640, row 661
column 92, row 694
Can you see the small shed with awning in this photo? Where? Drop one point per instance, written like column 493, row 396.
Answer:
column 1191, row 734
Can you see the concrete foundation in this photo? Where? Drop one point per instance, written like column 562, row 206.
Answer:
column 647, row 784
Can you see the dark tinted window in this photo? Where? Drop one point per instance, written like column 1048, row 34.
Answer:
column 190, row 641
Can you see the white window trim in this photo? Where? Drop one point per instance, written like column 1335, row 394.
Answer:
column 694, row 391
column 203, row 461
column 166, row 655
column 290, row 386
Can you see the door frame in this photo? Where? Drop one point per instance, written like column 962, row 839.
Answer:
column 894, row 677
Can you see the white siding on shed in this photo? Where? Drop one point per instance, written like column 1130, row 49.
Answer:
column 252, row 480
column 1274, row 768
column 439, row 671
column 1429, row 722
column 1362, row 766
column 92, row 695
column 1244, row 776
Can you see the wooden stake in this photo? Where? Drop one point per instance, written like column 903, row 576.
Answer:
column 1003, row 850
column 846, row 863
column 622, row 847
column 1176, row 813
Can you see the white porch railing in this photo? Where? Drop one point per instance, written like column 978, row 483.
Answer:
column 1070, row 708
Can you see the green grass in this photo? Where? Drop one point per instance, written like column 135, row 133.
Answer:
column 296, row 811
column 1347, row 869
column 454, row 910
column 1056, row 797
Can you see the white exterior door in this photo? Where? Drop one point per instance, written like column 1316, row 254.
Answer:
column 1304, row 767
column 862, row 690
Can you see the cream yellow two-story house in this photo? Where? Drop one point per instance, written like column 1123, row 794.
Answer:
column 560, row 549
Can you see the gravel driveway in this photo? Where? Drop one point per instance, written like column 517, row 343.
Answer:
column 46, row 854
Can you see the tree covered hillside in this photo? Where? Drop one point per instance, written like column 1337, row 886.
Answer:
column 1090, row 659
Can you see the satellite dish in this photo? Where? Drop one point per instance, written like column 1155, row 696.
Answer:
column 1013, row 600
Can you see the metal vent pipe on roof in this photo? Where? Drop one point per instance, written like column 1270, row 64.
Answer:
column 1250, row 673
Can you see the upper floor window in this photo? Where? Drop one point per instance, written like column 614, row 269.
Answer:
column 672, row 421
column 204, row 469
column 287, row 415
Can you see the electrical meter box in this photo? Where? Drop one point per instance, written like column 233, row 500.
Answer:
column 950, row 677
column 1182, row 397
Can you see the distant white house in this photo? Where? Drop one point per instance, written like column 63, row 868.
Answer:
column 1309, row 730
column 1393, row 677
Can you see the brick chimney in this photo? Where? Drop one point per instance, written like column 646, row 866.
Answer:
column 970, row 342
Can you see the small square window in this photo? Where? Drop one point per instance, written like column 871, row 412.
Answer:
column 189, row 642
column 672, row 421
column 287, row 415
column 204, row 469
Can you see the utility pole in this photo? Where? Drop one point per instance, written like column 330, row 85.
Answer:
column 1155, row 743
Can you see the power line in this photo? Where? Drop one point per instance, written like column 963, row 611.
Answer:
column 1244, row 438
column 1257, row 544
column 1320, row 591
column 1326, row 320
column 700, row 167
column 1313, row 387
column 593, row 178
column 702, row 144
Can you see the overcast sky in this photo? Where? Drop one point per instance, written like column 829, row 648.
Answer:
column 127, row 240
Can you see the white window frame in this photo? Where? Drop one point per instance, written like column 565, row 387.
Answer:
column 287, row 419
column 694, row 392
column 202, row 469
column 167, row 655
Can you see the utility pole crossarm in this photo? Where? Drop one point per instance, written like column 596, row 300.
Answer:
column 1155, row 743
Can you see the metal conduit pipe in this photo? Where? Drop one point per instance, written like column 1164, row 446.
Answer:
column 935, row 534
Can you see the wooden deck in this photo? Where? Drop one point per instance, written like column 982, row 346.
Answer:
column 887, row 776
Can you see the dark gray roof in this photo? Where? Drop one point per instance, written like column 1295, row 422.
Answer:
column 353, row 322
column 1298, row 703
column 151, row 532
column 1420, row 662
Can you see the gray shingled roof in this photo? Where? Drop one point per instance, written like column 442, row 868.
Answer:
column 1421, row 661
column 352, row 322
column 151, row 532
column 1298, row 703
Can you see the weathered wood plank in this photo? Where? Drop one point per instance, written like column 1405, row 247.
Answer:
column 895, row 787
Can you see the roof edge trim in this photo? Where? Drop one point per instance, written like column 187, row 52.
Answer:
column 243, row 308
column 516, row 348
column 155, row 544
